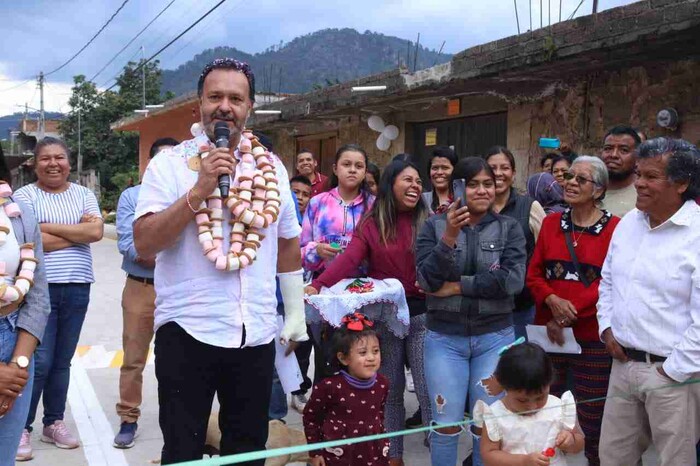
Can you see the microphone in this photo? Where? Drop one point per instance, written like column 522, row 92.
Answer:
column 221, row 135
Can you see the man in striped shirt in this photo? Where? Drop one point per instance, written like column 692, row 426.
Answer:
column 70, row 220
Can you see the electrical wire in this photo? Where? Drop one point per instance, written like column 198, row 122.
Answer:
column 579, row 6
column 90, row 41
column 133, row 39
column 144, row 62
column 17, row 85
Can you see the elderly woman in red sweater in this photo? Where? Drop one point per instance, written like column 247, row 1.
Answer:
column 563, row 277
column 386, row 240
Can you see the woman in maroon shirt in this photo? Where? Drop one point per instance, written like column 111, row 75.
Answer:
column 385, row 239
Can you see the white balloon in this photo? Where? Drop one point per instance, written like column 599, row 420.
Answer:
column 376, row 123
column 383, row 143
column 391, row 132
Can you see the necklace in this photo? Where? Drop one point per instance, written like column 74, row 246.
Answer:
column 14, row 294
column 583, row 229
column 254, row 203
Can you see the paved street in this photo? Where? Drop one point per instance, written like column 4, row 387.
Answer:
column 94, row 388
column 95, row 380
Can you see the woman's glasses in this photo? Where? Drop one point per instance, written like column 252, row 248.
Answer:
column 579, row 179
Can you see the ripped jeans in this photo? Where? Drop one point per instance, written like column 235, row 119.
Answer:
column 454, row 366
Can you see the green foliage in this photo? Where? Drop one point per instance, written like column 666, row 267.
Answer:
column 326, row 56
column 113, row 153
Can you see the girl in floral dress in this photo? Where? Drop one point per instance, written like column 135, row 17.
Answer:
column 350, row 403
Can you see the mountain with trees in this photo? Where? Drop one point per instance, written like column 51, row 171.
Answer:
column 320, row 59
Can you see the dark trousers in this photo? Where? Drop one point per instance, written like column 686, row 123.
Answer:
column 590, row 371
column 189, row 372
column 303, row 354
column 69, row 304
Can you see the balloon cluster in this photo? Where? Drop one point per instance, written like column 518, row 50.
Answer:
column 388, row 133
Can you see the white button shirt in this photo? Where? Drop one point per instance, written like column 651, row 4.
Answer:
column 210, row 305
column 650, row 291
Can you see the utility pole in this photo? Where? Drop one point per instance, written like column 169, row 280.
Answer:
column 42, row 120
column 143, row 77
column 595, row 6
column 80, row 139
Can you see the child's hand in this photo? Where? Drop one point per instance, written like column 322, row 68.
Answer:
column 565, row 440
column 536, row 459
column 318, row 461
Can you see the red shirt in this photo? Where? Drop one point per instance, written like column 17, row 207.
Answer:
column 551, row 270
column 319, row 185
column 396, row 259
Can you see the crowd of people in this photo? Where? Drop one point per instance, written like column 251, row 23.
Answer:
column 600, row 247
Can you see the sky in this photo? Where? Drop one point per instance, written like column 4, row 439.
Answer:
column 41, row 35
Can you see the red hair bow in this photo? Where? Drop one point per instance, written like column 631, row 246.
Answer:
column 357, row 321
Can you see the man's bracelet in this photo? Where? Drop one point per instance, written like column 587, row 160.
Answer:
column 189, row 204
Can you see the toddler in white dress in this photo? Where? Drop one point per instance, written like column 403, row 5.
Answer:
column 528, row 426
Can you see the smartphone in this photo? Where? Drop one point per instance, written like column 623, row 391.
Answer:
column 459, row 191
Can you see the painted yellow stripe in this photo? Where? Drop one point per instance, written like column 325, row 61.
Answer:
column 117, row 360
column 82, row 350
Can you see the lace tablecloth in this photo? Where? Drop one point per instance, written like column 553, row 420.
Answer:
column 386, row 303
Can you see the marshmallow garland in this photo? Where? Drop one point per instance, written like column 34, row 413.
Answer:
column 11, row 209
column 254, row 203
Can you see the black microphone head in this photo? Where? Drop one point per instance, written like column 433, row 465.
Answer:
column 221, row 130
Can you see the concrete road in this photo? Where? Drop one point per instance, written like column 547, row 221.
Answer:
column 94, row 388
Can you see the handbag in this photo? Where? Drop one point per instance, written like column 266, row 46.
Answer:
column 572, row 251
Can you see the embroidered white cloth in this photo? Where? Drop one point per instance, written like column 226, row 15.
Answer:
column 523, row 435
column 385, row 303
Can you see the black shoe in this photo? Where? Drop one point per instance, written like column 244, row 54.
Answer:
column 414, row 421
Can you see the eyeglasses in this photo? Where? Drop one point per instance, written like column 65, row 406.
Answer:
column 579, row 179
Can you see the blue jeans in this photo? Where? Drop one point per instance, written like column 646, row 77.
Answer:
column 522, row 318
column 278, row 399
column 454, row 366
column 69, row 303
column 12, row 423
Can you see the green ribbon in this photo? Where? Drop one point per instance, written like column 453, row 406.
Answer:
column 264, row 454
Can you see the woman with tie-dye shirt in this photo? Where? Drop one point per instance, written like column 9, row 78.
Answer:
column 331, row 217
column 329, row 222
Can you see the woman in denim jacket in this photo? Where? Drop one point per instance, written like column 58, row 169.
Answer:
column 21, row 326
column 471, row 264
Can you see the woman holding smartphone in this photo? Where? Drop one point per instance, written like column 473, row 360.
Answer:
column 471, row 263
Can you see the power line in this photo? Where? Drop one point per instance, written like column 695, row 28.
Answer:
column 138, row 51
column 90, row 41
column 143, row 63
column 17, row 85
column 132, row 40
column 579, row 6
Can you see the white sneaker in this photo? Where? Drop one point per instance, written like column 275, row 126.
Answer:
column 299, row 402
column 24, row 451
column 409, row 382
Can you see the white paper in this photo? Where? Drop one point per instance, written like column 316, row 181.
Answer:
column 538, row 334
column 287, row 367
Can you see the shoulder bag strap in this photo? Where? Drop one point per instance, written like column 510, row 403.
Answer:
column 577, row 266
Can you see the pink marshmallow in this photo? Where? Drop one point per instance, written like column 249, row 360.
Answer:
column 26, row 253
column 270, row 219
column 245, row 262
column 214, row 254
column 259, row 221
column 247, row 184
column 236, row 247
column 28, row 274
column 12, row 210
column 238, row 210
column 217, row 243
column 260, row 192
column 245, row 145
column 207, row 245
column 201, row 218
column 216, row 204
column 258, row 205
column 221, row 262
column 5, row 190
